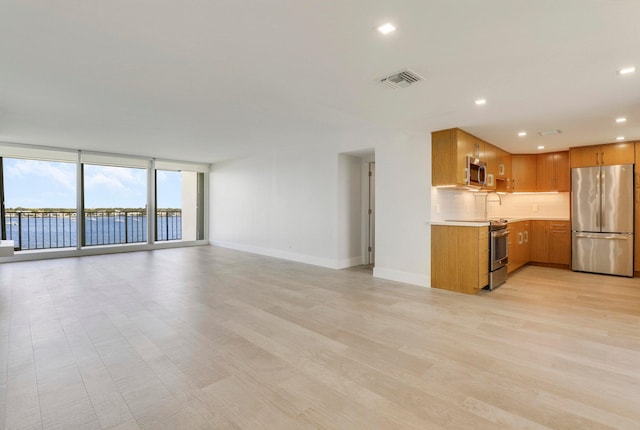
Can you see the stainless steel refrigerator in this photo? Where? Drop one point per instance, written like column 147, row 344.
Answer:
column 602, row 219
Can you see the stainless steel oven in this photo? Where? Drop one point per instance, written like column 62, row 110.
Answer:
column 498, row 253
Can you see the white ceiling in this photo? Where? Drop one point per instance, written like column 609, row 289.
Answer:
column 206, row 80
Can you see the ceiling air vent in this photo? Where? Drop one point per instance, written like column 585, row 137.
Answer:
column 549, row 132
column 402, row 79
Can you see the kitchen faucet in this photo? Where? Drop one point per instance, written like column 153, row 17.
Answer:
column 486, row 201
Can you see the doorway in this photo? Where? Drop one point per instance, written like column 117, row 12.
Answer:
column 371, row 215
column 356, row 209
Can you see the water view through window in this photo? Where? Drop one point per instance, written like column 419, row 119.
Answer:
column 40, row 210
column 115, row 202
column 40, row 203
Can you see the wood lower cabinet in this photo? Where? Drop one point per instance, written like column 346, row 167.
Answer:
column 459, row 258
column 637, row 232
column 519, row 245
column 540, row 241
column 560, row 243
column 551, row 242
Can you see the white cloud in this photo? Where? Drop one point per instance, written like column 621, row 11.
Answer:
column 63, row 174
column 108, row 186
column 114, row 178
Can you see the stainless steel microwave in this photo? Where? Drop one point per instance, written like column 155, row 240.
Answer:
column 476, row 172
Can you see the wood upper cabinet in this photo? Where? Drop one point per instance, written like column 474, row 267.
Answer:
column 459, row 258
column 449, row 151
column 637, row 173
column 562, row 170
column 504, row 179
column 603, row 155
column 553, row 171
column 491, row 158
column 524, row 169
column 551, row 242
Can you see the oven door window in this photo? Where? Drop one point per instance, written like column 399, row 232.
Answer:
column 499, row 249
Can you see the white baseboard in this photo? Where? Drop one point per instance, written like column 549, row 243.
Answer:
column 400, row 276
column 292, row 256
column 350, row 262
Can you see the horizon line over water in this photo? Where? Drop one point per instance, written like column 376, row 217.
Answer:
column 74, row 210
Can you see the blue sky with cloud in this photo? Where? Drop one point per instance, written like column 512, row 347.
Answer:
column 47, row 184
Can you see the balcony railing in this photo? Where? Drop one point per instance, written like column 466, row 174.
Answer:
column 168, row 225
column 47, row 230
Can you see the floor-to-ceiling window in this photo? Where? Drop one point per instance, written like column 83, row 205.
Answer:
column 57, row 198
column 39, row 198
column 179, row 201
column 115, row 204
column 168, row 205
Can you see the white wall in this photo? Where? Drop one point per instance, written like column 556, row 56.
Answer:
column 288, row 204
column 349, row 233
column 403, row 200
column 189, row 209
column 281, row 203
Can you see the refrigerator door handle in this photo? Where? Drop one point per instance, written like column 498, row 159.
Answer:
column 602, row 200
column 598, row 195
column 591, row 236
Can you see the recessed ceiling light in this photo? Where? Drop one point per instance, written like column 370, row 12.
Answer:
column 481, row 102
column 522, row 133
column 540, row 147
column 626, row 70
column 621, row 120
column 620, row 138
column 387, row 28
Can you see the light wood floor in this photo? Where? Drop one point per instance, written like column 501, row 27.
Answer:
column 212, row 338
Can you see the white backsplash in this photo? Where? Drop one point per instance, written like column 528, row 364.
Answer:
column 452, row 204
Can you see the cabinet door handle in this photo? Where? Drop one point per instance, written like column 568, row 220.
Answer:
column 520, row 238
column 602, row 157
column 597, row 162
column 526, row 237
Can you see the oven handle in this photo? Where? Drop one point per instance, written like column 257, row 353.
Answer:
column 499, row 234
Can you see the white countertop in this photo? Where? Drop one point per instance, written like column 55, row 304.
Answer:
column 470, row 223
column 536, row 218
column 481, row 223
